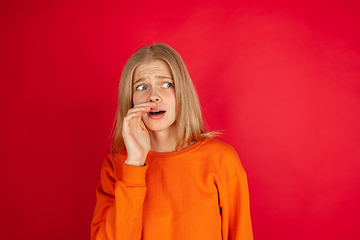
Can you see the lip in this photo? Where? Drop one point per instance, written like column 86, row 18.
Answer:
column 156, row 117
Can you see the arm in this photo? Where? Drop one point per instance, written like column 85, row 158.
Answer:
column 238, row 210
column 118, row 211
column 120, row 197
column 234, row 203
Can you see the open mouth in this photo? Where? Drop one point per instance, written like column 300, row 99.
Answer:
column 155, row 113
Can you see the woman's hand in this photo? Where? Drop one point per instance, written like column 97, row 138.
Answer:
column 135, row 134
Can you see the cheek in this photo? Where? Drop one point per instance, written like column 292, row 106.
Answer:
column 172, row 100
column 139, row 98
column 169, row 95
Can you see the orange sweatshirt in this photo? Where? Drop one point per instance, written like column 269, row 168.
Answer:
column 197, row 193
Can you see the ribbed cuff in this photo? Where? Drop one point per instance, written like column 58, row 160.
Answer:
column 134, row 175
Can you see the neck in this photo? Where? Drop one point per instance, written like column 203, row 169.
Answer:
column 162, row 141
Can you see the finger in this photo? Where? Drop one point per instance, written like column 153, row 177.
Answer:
column 143, row 107
column 129, row 124
column 131, row 116
column 146, row 104
column 139, row 109
column 135, row 122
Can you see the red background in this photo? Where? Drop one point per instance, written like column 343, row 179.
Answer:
column 280, row 78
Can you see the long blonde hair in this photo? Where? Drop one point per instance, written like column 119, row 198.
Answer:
column 189, row 122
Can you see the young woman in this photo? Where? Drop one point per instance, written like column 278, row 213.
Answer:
column 166, row 178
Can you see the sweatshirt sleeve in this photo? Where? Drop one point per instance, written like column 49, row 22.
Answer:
column 120, row 197
column 234, row 203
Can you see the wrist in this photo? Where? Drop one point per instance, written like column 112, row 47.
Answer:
column 135, row 162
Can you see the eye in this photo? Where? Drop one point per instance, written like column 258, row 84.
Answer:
column 140, row 88
column 167, row 85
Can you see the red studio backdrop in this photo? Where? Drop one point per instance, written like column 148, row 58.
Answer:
column 281, row 79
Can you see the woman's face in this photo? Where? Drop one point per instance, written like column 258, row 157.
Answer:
column 154, row 82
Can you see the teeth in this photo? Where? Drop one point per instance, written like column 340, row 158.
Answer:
column 156, row 112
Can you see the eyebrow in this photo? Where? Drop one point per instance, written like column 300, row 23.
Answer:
column 157, row 76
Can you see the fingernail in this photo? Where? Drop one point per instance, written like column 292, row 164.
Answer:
column 147, row 107
column 153, row 103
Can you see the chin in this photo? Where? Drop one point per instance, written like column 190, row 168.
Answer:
column 159, row 127
column 156, row 128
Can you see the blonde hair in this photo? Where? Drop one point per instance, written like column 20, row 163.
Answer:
column 189, row 122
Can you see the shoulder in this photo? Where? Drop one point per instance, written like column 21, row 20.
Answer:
column 113, row 159
column 112, row 164
column 222, row 155
column 218, row 147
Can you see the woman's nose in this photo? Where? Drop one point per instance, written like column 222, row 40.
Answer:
column 154, row 99
column 154, row 96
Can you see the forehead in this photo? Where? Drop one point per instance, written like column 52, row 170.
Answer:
column 153, row 68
